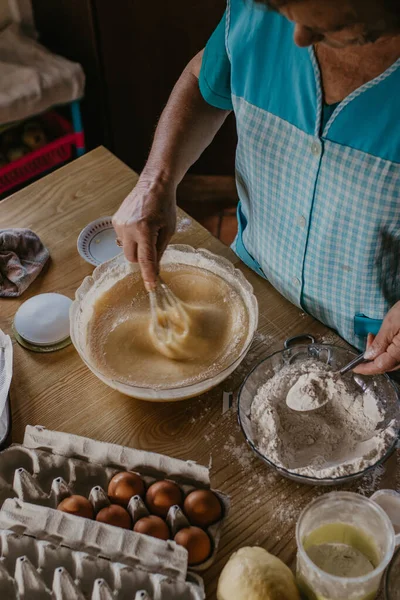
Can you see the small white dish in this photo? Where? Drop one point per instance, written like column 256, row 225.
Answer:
column 43, row 320
column 97, row 242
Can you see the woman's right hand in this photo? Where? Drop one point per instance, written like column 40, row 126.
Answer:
column 145, row 223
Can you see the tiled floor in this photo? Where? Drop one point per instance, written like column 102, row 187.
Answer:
column 211, row 201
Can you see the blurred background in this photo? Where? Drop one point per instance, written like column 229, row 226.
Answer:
column 122, row 60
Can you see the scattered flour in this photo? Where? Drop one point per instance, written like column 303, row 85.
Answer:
column 183, row 224
column 329, row 338
column 339, row 439
column 240, row 453
column 259, row 350
column 370, row 483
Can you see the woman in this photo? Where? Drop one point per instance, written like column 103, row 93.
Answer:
column 318, row 158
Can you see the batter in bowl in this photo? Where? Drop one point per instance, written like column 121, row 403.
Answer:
column 122, row 348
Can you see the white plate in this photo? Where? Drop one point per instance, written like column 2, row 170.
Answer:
column 44, row 319
column 97, row 242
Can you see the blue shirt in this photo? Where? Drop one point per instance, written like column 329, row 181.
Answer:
column 319, row 211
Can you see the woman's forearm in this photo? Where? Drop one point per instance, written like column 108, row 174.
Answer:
column 145, row 221
column 186, row 127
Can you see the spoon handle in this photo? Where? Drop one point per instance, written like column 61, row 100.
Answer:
column 354, row 363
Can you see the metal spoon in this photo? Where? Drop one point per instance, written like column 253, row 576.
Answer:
column 353, row 364
column 308, row 403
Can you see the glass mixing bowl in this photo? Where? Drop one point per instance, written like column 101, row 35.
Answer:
column 107, row 274
column 337, row 358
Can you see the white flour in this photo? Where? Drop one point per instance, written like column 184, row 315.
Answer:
column 338, row 439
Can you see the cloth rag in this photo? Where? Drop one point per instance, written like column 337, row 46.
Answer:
column 22, row 258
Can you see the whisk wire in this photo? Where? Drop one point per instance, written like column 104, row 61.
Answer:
column 170, row 321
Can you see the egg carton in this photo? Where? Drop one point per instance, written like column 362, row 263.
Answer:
column 50, row 466
column 32, row 569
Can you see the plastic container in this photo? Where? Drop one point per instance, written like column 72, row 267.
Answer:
column 363, row 515
column 107, row 274
column 392, row 578
column 49, row 156
column 336, row 357
column 389, row 500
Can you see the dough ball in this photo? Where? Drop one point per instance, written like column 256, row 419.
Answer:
column 254, row 574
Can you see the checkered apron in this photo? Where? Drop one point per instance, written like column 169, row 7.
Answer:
column 320, row 220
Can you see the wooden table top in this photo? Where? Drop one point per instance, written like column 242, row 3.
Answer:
column 58, row 391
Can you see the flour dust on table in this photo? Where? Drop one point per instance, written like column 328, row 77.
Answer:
column 340, row 438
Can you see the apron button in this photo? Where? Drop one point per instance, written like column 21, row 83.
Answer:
column 316, row 148
column 302, row 221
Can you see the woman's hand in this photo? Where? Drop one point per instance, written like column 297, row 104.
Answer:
column 384, row 349
column 145, row 223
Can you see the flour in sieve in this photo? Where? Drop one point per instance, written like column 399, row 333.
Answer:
column 341, row 438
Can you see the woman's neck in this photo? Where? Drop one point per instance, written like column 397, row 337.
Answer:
column 343, row 70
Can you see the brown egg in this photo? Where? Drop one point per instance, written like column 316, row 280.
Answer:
column 125, row 485
column 161, row 496
column 153, row 526
column 115, row 515
column 77, row 505
column 202, row 508
column 196, row 542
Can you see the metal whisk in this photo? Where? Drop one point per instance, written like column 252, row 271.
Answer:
column 169, row 319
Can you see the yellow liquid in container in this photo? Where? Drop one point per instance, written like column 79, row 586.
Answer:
column 340, row 550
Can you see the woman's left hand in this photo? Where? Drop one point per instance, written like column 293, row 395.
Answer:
column 384, row 350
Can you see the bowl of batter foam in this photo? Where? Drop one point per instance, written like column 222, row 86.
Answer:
column 342, row 440
column 111, row 324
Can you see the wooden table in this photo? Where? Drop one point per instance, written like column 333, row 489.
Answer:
column 58, row 391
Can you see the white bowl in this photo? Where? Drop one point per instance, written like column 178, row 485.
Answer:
column 106, row 275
